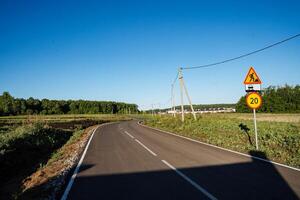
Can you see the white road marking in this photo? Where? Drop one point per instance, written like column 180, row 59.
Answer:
column 232, row 151
column 198, row 187
column 65, row 195
column 145, row 147
column 69, row 186
column 129, row 134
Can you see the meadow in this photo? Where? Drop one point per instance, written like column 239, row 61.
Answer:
column 278, row 134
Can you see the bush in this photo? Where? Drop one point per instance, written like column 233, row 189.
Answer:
column 29, row 146
column 284, row 99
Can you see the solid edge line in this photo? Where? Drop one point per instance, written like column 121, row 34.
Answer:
column 145, row 147
column 198, row 187
column 69, row 186
column 65, row 195
column 224, row 149
column 129, row 134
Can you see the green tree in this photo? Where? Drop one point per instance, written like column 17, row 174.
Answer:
column 284, row 99
column 6, row 104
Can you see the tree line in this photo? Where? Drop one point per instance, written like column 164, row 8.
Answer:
column 19, row 106
column 281, row 99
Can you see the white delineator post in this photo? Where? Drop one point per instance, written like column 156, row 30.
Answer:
column 255, row 128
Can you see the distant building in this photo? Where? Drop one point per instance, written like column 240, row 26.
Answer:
column 205, row 110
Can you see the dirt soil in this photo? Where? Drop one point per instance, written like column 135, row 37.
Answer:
column 75, row 124
column 49, row 181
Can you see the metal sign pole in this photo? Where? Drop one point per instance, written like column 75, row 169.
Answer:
column 255, row 128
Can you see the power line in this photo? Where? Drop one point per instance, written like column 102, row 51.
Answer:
column 241, row 56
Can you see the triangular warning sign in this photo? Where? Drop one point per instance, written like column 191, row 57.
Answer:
column 252, row 77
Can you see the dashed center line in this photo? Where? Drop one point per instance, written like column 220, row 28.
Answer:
column 129, row 134
column 198, row 187
column 145, row 147
column 141, row 143
column 182, row 175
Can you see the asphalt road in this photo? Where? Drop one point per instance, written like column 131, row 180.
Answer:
column 128, row 161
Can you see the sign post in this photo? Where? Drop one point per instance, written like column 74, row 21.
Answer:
column 253, row 99
column 255, row 129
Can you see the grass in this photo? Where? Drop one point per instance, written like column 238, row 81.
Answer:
column 293, row 118
column 21, row 119
column 60, row 153
column 279, row 140
column 25, row 149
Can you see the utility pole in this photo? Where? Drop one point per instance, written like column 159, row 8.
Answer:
column 159, row 112
column 190, row 101
column 152, row 110
column 181, row 93
column 172, row 100
column 183, row 87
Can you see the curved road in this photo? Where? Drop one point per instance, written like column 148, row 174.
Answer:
column 128, row 161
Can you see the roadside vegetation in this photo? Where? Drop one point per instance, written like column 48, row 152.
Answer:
column 23, row 150
column 36, row 151
column 279, row 140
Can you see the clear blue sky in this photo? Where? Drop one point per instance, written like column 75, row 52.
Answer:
column 130, row 50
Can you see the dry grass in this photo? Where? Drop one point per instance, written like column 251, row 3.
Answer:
column 294, row 118
column 60, row 118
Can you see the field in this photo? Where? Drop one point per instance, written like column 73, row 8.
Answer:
column 35, row 149
column 293, row 118
column 278, row 134
column 56, row 118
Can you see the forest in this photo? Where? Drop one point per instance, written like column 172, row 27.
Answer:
column 280, row 99
column 19, row 106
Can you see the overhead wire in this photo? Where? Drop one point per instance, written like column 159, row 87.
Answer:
column 235, row 58
column 242, row 56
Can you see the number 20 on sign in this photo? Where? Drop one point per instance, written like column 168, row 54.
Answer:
column 253, row 100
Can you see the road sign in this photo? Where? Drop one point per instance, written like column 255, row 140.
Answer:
column 252, row 87
column 252, row 77
column 253, row 100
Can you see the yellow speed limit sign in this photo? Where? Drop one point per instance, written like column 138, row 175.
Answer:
column 253, row 100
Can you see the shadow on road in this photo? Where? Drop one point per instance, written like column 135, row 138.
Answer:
column 247, row 180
